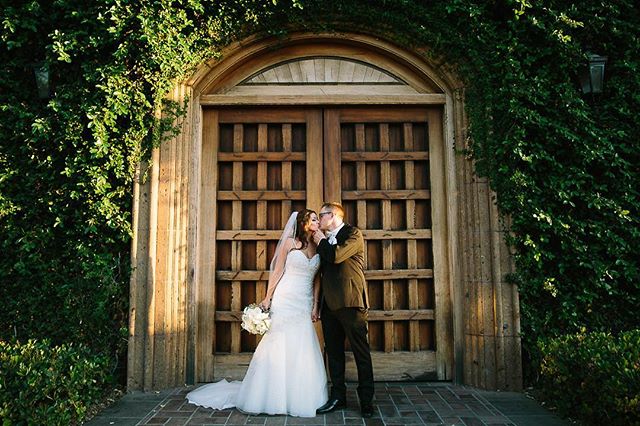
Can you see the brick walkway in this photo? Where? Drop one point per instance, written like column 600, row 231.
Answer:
column 396, row 404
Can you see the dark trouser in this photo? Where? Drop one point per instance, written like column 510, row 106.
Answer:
column 352, row 324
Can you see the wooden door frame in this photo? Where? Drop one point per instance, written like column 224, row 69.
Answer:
column 166, row 254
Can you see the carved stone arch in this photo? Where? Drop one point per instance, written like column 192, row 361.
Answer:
column 169, row 249
column 241, row 60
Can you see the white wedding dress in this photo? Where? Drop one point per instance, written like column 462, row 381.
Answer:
column 286, row 374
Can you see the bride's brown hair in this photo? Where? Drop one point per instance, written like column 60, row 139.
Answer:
column 303, row 234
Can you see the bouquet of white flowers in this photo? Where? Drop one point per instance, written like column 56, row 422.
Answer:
column 255, row 320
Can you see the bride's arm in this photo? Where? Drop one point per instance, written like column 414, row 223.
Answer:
column 277, row 272
column 315, row 313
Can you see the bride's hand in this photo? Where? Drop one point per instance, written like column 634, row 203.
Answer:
column 265, row 304
column 315, row 314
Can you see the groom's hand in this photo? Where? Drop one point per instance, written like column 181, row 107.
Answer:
column 315, row 314
column 318, row 236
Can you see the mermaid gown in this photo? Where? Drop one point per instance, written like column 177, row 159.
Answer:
column 286, row 374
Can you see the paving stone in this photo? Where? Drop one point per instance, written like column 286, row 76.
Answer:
column 305, row 421
column 400, row 399
column 480, row 410
column 396, row 421
column 388, row 410
column 458, row 405
column 536, row 420
column 465, row 394
column 411, row 390
column 381, row 398
column 203, row 412
column 351, row 412
column 396, row 404
column 157, row 421
column 129, row 409
column 335, row 417
column 429, row 416
column 452, row 421
column 435, row 396
column 442, row 408
column 217, row 421
column 410, row 420
column 422, row 407
column 447, row 394
column 200, row 420
column 494, row 419
column 237, row 417
column 169, row 413
column 188, row 408
column 177, row 421
column 173, row 404
column 200, row 417
column 444, row 412
column 471, row 421
column 405, row 407
column 110, row 421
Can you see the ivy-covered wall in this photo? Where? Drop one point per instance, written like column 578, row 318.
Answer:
column 564, row 165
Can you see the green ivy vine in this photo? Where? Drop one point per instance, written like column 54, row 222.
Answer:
column 564, row 165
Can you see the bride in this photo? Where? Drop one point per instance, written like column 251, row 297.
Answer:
column 286, row 374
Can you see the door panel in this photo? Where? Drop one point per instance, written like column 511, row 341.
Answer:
column 269, row 164
column 380, row 170
column 378, row 163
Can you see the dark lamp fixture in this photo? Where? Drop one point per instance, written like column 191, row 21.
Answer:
column 41, row 71
column 592, row 77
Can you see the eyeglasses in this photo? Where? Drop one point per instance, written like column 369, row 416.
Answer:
column 323, row 213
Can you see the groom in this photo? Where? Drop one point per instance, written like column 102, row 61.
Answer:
column 345, row 306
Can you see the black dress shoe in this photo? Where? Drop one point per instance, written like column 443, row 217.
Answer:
column 366, row 411
column 332, row 404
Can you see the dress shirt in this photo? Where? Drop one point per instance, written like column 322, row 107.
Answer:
column 331, row 236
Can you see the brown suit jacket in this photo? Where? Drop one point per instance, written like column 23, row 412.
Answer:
column 343, row 283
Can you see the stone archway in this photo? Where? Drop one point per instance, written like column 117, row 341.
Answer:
column 174, row 284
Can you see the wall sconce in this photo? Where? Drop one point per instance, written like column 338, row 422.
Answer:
column 592, row 77
column 41, row 71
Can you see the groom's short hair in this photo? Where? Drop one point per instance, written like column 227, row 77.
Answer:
column 336, row 208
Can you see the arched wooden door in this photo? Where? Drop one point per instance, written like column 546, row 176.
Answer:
column 204, row 224
column 385, row 165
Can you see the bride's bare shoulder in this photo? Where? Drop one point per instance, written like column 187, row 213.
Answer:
column 291, row 244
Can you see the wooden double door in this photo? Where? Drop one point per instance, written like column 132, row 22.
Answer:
column 384, row 165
